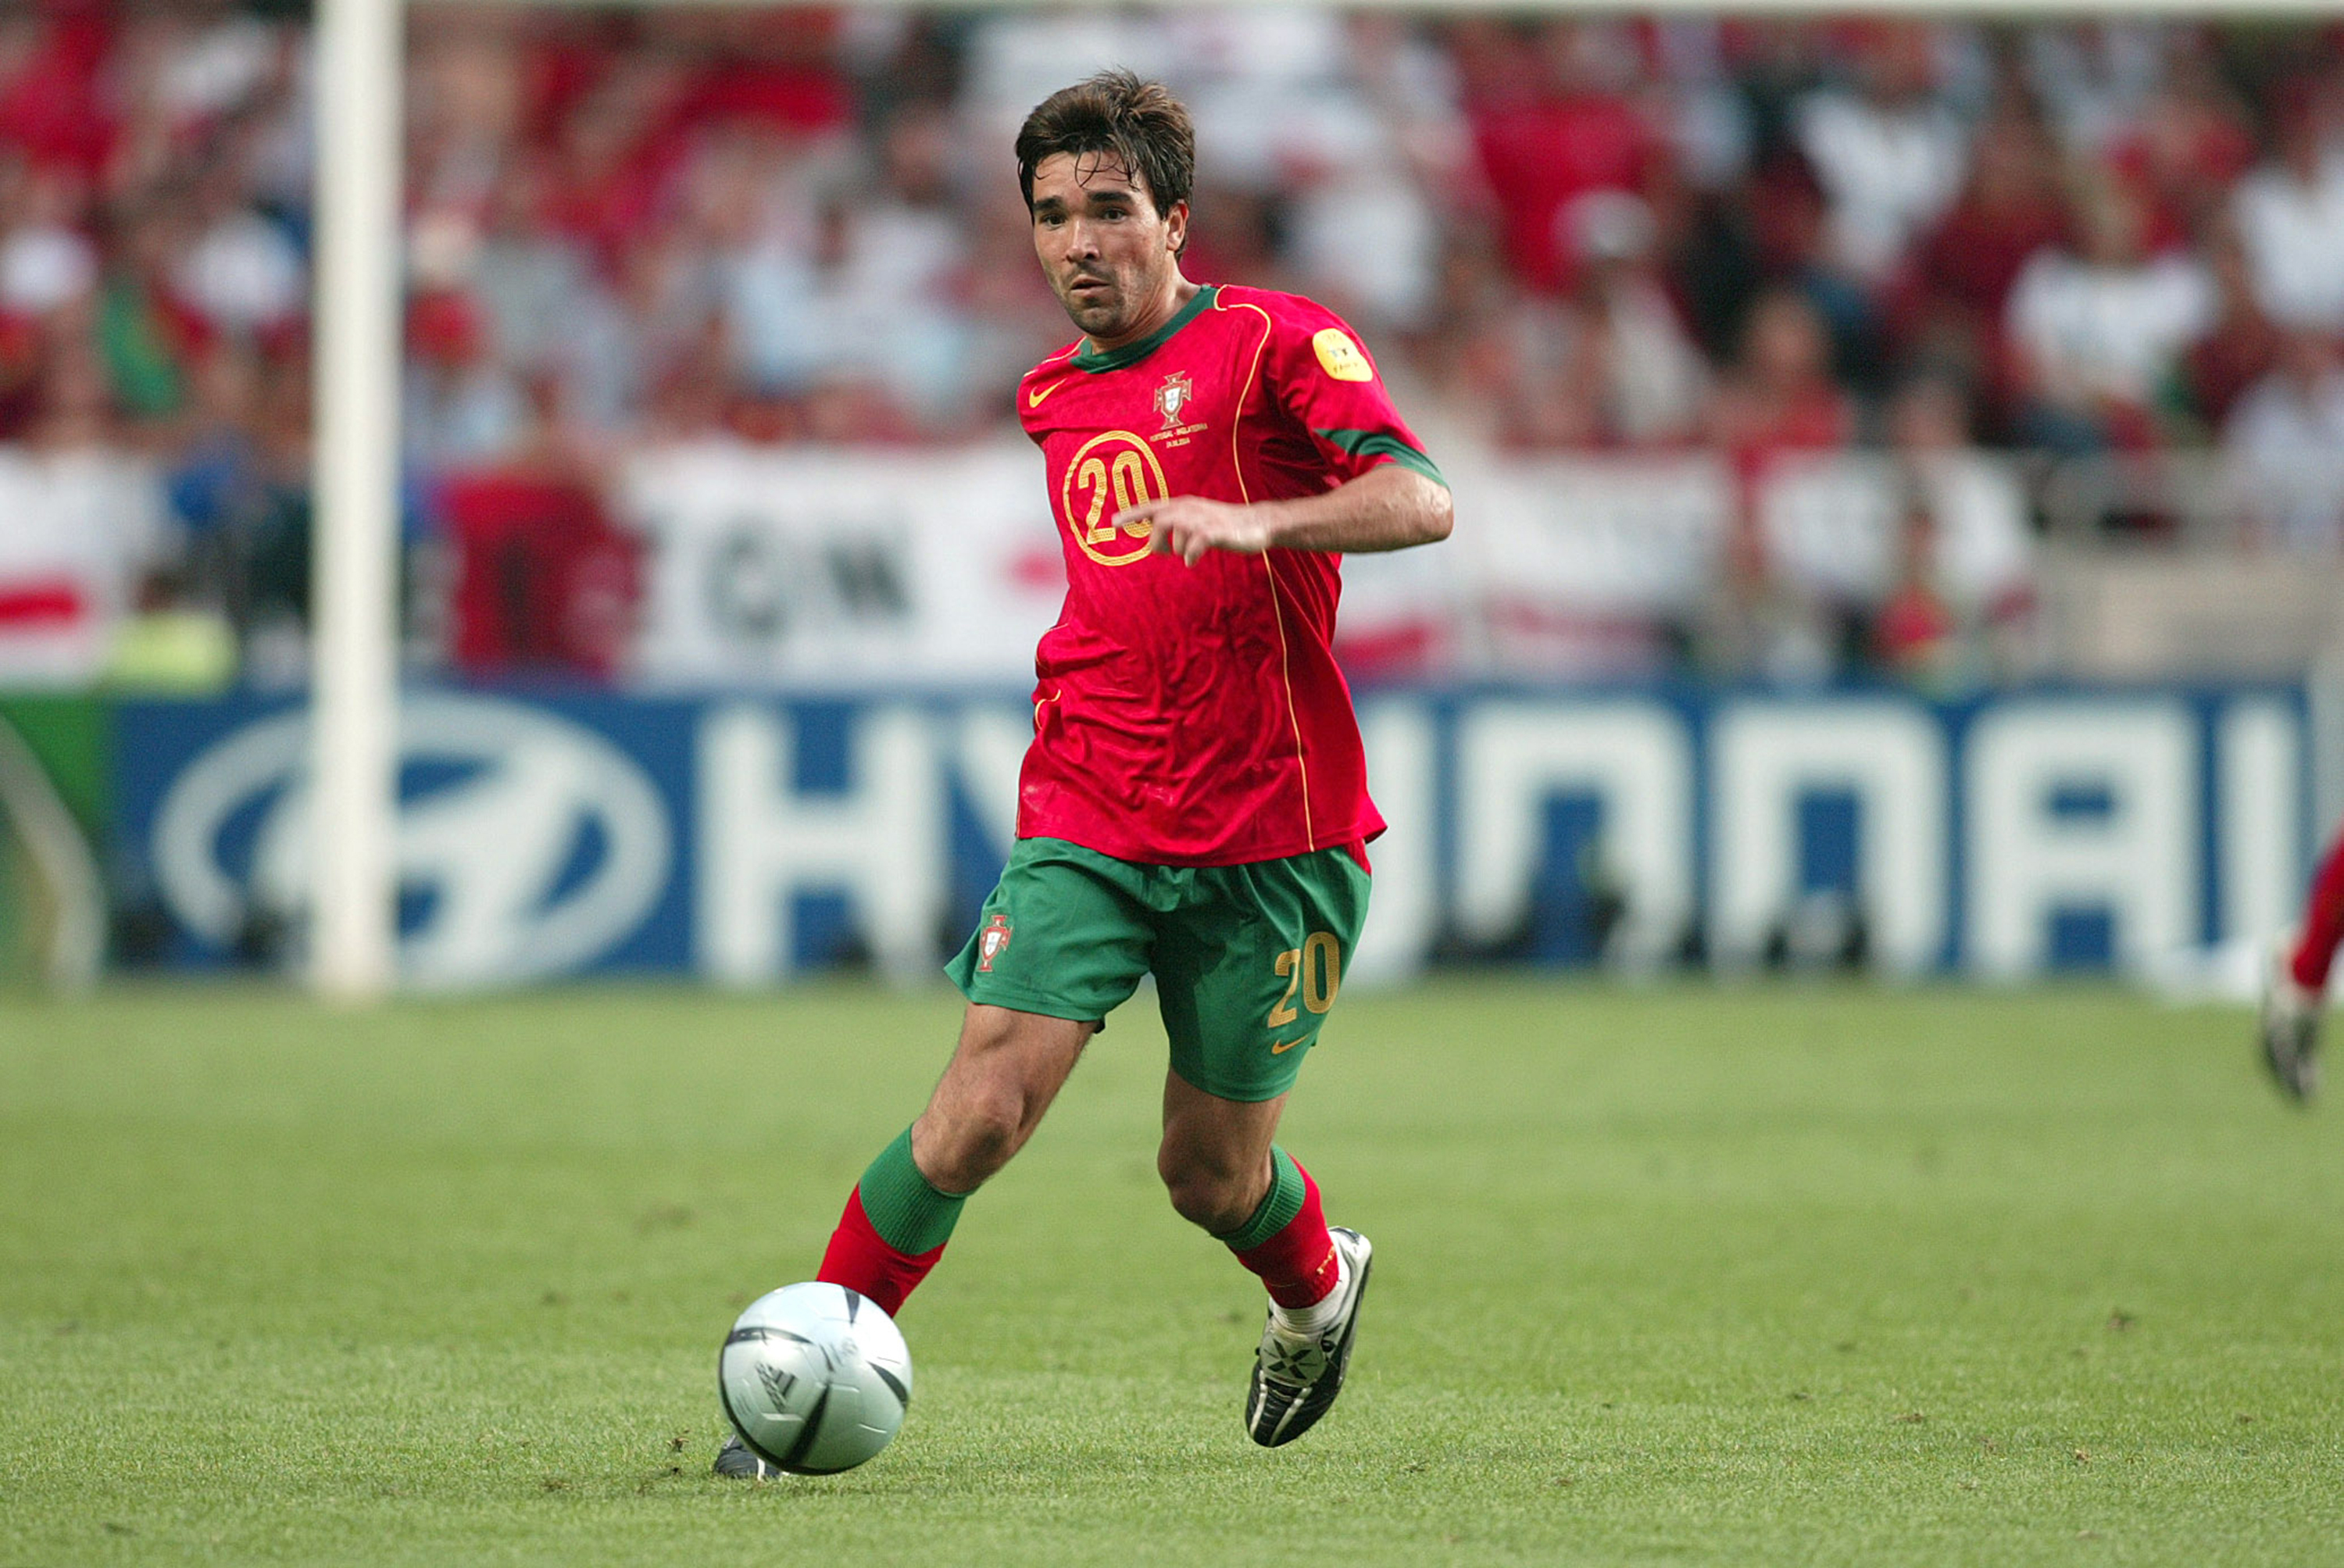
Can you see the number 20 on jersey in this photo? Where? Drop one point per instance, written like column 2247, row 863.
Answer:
column 1109, row 472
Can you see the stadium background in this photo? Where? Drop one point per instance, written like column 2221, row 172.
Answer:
column 1802, row 616
column 1898, row 462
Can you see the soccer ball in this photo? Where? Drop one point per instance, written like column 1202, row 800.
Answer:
column 815, row 1378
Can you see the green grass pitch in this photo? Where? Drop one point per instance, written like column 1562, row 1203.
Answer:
column 1769, row 1275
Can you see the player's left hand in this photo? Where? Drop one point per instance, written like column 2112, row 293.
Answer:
column 1188, row 525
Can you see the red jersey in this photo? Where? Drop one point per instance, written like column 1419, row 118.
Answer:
column 1195, row 715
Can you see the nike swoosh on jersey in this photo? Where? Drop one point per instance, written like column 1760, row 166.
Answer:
column 1034, row 398
column 1279, row 1047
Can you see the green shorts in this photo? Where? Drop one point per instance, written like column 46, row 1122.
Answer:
column 1247, row 958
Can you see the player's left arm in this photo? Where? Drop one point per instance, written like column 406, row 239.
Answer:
column 1388, row 507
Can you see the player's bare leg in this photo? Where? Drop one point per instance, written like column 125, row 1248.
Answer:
column 1214, row 1158
column 1007, row 1069
column 1224, row 1173
column 1004, row 1072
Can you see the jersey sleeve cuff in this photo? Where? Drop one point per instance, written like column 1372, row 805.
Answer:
column 1371, row 445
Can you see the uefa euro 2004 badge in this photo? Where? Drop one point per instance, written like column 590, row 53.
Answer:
column 1175, row 399
column 990, row 942
column 1340, row 358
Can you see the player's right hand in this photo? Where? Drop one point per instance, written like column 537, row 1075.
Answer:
column 1189, row 525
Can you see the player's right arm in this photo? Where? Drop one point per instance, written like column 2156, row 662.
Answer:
column 1387, row 507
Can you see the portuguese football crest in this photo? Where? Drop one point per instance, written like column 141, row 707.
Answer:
column 990, row 942
column 1174, row 396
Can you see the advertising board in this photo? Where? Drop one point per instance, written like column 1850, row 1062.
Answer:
column 746, row 837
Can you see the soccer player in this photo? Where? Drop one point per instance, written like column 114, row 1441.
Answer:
column 1194, row 804
column 2296, row 988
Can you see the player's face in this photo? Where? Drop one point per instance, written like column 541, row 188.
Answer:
column 1112, row 258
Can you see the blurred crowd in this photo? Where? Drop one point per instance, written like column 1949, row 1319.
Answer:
column 1764, row 239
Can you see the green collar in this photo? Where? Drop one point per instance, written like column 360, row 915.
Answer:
column 1094, row 360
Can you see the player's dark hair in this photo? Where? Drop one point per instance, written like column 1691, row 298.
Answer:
column 1118, row 112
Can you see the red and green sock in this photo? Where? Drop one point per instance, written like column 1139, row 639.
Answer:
column 894, row 1228
column 1286, row 1242
column 896, row 1223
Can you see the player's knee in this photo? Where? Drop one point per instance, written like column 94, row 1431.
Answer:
column 1212, row 1199
column 973, row 1144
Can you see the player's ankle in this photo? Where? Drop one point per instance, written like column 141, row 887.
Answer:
column 1308, row 1322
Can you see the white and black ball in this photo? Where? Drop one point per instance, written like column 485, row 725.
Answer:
column 815, row 1378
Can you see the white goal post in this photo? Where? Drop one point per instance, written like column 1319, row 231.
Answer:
column 354, row 690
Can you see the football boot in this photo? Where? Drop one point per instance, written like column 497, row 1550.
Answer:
column 2289, row 1028
column 1296, row 1377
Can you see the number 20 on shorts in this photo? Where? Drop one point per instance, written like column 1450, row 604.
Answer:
column 1315, row 970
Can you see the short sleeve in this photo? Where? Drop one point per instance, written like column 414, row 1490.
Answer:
column 1321, row 375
